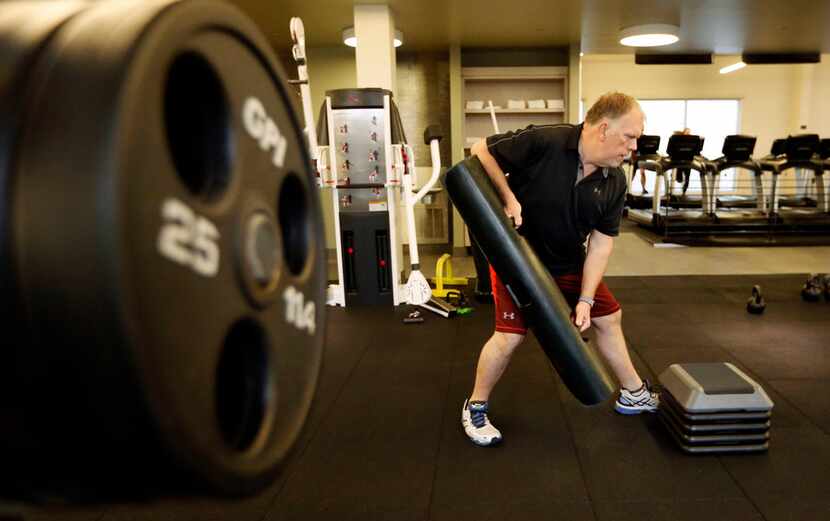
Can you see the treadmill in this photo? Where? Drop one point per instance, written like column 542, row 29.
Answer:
column 737, row 153
column 677, row 152
column 672, row 214
column 647, row 158
column 773, row 162
column 776, row 155
column 740, row 211
column 824, row 161
column 799, row 152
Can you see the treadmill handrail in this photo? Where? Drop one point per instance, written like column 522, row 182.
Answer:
column 651, row 162
column 722, row 163
column 698, row 163
column 776, row 167
column 649, row 157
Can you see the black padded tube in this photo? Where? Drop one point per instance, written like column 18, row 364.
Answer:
column 535, row 291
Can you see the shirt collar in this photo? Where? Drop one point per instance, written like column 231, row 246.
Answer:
column 573, row 144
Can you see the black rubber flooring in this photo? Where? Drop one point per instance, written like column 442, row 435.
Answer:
column 384, row 439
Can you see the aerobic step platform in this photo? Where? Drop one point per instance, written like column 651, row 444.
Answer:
column 714, row 408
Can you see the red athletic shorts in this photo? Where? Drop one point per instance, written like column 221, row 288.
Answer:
column 509, row 319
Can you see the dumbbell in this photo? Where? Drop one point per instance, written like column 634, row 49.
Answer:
column 812, row 289
column 756, row 303
column 160, row 252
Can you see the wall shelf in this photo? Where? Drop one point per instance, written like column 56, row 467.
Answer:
column 500, row 84
column 516, row 111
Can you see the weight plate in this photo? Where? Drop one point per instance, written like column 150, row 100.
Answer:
column 161, row 134
column 25, row 31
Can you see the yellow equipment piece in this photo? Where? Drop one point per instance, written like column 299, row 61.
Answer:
column 443, row 276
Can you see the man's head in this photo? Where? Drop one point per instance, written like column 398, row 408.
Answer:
column 612, row 126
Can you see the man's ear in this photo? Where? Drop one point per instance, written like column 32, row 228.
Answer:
column 603, row 130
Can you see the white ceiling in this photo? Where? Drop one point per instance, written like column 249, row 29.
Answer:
column 719, row 26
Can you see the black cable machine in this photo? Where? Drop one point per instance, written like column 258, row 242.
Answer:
column 359, row 127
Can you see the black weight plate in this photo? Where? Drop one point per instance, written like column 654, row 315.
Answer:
column 26, row 28
column 134, row 179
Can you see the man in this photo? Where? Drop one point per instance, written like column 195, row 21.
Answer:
column 565, row 187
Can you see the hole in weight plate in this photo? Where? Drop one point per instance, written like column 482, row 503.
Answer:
column 295, row 223
column 198, row 132
column 242, row 384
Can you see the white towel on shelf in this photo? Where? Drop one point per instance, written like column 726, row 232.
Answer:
column 556, row 104
column 475, row 105
column 515, row 104
column 536, row 104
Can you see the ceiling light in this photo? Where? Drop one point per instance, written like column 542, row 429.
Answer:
column 732, row 68
column 649, row 35
column 351, row 40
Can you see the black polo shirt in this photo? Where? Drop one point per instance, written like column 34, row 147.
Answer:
column 557, row 212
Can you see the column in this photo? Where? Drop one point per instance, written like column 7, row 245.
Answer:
column 374, row 27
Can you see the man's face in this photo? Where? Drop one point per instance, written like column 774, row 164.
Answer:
column 621, row 138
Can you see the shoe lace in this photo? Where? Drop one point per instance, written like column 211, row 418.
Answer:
column 478, row 414
column 644, row 396
column 647, row 398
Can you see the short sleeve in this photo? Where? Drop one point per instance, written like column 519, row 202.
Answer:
column 610, row 222
column 514, row 151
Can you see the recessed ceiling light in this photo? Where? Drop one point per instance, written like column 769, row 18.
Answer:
column 732, row 68
column 351, row 40
column 649, row 35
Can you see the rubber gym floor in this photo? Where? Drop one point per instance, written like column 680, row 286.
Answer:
column 384, row 440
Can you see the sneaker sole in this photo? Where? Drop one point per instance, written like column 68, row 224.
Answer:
column 494, row 441
column 631, row 411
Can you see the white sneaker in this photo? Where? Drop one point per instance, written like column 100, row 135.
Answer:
column 477, row 425
column 641, row 400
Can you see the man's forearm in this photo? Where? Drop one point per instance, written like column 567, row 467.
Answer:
column 594, row 269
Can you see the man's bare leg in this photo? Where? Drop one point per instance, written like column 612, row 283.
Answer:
column 611, row 343
column 493, row 360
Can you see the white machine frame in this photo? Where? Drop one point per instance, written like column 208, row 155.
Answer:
column 397, row 196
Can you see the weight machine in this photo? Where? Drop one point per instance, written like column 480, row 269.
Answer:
column 365, row 161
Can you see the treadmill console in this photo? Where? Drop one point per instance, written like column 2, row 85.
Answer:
column 779, row 146
column 684, row 147
column 738, row 147
column 801, row 147
column 824, row 149
column 647, row 145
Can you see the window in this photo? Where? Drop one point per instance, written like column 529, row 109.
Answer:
column 712, row 119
